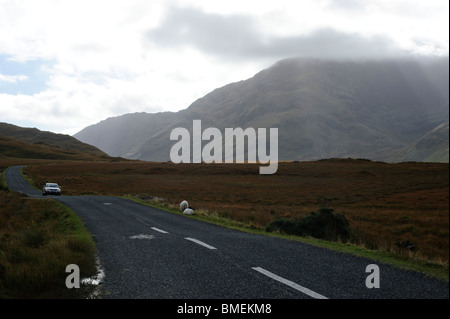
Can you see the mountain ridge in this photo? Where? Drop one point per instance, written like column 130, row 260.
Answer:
column 361, row 109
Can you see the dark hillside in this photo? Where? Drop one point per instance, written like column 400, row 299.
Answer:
column 19, row 142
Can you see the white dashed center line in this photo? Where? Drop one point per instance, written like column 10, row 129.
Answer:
column 159, row 230
column 200, row 243
column 290, row 283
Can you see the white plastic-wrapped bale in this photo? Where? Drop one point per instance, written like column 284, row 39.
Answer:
column 183, row 205
column 188, row 211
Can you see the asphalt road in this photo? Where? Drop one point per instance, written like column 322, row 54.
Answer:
column 149, row 253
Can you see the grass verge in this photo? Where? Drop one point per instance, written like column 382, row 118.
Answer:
column 428, row 268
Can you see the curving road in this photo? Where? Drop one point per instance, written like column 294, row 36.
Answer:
column 149, row 253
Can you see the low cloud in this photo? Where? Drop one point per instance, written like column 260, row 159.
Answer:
column 210, row 33
column 348, row 5
column 332, row 44
column 238, row 37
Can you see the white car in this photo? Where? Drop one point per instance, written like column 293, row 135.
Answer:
column 51, row 189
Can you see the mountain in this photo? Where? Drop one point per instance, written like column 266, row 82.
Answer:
column 19, row 142
column 362, row 109
column 433, row 147
column 117, row 136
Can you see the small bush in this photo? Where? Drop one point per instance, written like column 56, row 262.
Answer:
column 322, row 225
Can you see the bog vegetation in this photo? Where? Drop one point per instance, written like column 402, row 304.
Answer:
column 323, row 225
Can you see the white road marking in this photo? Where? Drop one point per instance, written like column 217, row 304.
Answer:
column 200, row 243
column 290, row 283
column 159, row 230
column 154, row 228
column 142, row 236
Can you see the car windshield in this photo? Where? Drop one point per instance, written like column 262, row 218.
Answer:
column 52, row 185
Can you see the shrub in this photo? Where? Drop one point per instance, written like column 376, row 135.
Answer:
column 322, row 225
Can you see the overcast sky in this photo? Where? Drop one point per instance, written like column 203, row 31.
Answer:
column 68, row 64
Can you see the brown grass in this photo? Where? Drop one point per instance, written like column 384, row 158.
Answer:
column 384, row 203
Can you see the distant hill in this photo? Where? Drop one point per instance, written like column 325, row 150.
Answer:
column 117, row 136
column 433, row 147
column 19, row 142
column 322, row 109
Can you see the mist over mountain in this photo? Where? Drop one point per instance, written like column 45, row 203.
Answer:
column 369, row 109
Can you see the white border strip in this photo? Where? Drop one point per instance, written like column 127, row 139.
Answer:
column 290, row 283
column 200, row 243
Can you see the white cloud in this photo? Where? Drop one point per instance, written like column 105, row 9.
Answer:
column 12, row 78
column 113, row 57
